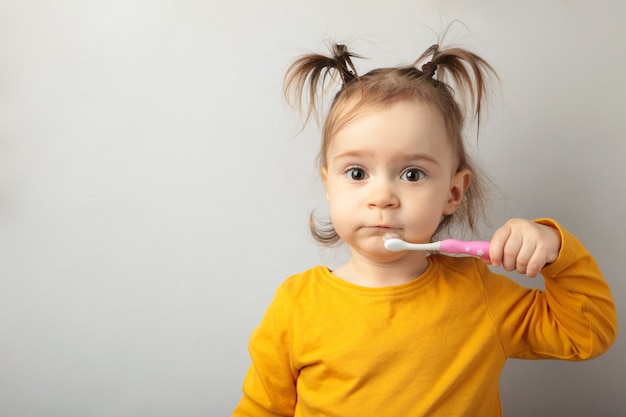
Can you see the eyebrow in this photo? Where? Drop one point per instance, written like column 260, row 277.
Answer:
column 402, row 156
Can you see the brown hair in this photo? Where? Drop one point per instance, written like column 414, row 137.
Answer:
column 469, row 75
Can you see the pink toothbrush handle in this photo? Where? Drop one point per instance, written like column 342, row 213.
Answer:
column 475, row 248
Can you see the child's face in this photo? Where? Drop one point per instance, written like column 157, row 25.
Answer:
column 392, row 171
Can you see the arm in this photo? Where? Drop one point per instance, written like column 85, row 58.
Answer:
column 269, row 388
column 573, row 319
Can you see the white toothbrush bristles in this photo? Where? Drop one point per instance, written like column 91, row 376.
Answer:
column 395, row 245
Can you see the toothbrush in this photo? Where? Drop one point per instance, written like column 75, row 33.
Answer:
column 447, row 246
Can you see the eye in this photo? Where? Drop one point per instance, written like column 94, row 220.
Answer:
column 413, row 174
column 356, row 174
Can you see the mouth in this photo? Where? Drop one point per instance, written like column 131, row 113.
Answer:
column 388, row 232
column 386, row 228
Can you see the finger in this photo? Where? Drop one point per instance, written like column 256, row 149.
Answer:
column 512, row 249
column 497, row 243
column 537, row 262
column 542, row 256
column 526, row 257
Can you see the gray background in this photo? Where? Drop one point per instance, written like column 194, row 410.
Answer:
column 155, row 189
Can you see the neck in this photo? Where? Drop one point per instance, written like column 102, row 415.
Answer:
column 375, row 274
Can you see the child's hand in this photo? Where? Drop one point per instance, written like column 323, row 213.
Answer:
column 524, row 246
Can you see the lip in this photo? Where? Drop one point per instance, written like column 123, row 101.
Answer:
column 386, row 229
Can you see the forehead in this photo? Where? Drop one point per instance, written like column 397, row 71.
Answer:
column 405, row 126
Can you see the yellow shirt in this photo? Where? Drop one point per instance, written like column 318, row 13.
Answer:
column 432, row 347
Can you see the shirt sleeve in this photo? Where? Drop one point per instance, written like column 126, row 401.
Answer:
column 269, row 388
column 573, row 319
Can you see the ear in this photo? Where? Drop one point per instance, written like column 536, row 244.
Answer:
column 458, row 186
column 324, row 175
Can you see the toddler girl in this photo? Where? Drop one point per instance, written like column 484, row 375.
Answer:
column 411, row 333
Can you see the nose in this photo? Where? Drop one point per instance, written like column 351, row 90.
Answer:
column 383, row 194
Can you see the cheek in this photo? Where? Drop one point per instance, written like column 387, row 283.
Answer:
column 342, row 209
column 425, row 213
column 339, row 207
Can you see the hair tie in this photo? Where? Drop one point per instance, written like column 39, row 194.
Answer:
column 346, row 68
column 429, row 68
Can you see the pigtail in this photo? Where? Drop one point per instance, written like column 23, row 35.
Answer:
column 313, row 70
column 323, row 230
column 469, row 73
